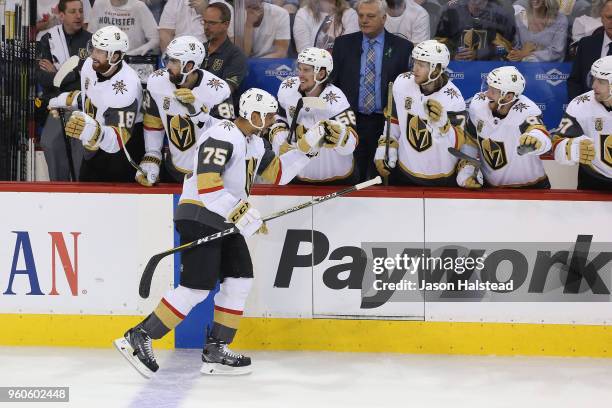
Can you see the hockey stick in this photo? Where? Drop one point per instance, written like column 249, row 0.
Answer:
column 66, row 68
column 460, row 155
column 147, row 275
column 388, row 113
column 127, row 154
column 309, row 102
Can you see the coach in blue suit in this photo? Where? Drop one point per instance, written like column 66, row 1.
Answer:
column 590, row 49
column 364, row 63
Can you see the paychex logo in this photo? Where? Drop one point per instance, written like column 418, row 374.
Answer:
column 28, row 270
column 515, row 272
column 281, row 72
column 553, row 77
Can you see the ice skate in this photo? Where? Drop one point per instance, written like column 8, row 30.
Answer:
column 218, row 359
column 135, row 346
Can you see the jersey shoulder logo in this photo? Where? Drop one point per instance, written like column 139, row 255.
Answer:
column 331, row 97
column 520, row 107
column 582, row 99
column 481, row 96
column 227, row 125
column 452, row 93
column 288, row 83
column 166, row 103
column 159, row 72
column 215, row 83
column 406, row 75
column 598, row 124
column 119, row 87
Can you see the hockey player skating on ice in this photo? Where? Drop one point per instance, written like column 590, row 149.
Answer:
column 428, row 118
column 584, row 135
column 107, row 119
column 229, row 156
column 506, row 123
column 335, row 163
column 177, row 102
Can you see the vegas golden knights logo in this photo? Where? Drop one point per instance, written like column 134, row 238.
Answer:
column 599, row 124
column 251, row 164
column 408, row 103
column 474, row 39
column 418, row 136
column 86, row 83
column 217, row 64
column 90, row 109
column 291, row 111
column 182, row 133
column 166, row 103
column 606, row 149
column 479, row 126
column 494, row 153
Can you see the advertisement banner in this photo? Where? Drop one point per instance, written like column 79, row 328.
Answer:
column 82, row 253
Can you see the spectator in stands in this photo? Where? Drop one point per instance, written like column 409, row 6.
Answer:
column 291, row 6
column 364, row 63
column 184, row 17
column 477, row 30
column 569, row 8
column 156, row 7
column 133, row 17
column 589, row 50
column 223, row 58
column 318, row 23
column 56, row 47
column 585, row 25
column 434, row 9
column 542, row 33
column 47, row 15
column 267, row 30
column 407, row 19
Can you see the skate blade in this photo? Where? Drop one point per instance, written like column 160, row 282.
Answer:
column 122, row 345
column 221, row 369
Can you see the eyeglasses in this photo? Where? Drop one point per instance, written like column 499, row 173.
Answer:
column 213, row 23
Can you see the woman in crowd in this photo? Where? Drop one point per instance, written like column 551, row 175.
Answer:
column 319, row 22
column 542, row 33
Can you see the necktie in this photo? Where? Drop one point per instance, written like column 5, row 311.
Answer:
column 369, row 83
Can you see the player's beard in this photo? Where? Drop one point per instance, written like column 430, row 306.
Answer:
column 102, row 67
column 175, row 78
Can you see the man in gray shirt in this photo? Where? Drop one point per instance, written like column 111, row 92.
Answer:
column 223, row 58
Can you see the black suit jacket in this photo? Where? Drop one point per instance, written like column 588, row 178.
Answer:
column 588, row 51
column 347, row 64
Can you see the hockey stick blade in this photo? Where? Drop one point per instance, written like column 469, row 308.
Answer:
column 67, row 67
column 524, row 149
column 460, row 155
column 147, row 275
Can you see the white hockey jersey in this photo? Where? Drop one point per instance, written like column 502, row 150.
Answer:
column 114, row 102
column 331, row 163
column 423, row 151
column 224, row 169
column 182, row 124
column 498, row 139
column 585, row 116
